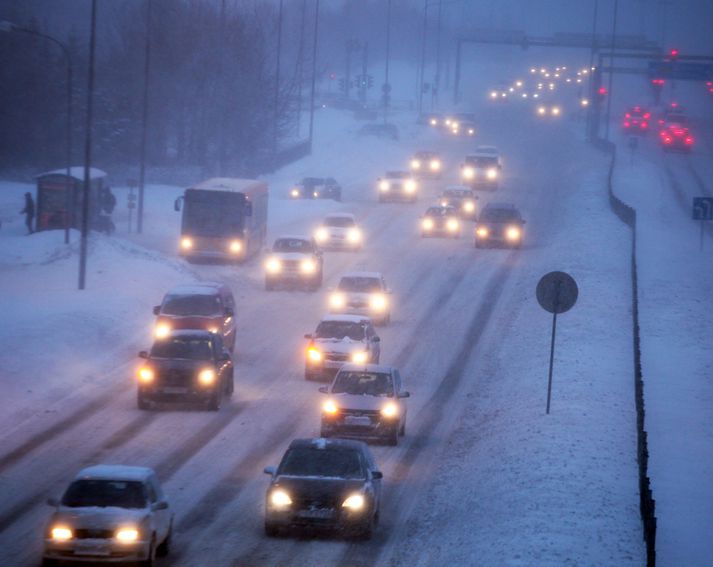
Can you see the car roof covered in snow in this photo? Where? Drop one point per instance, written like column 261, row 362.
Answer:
column 323, row 443
column 486, row 150
column 339, row 216
column 197, row 288
column 376, row 275
column 500, row 206
column 77, row 172
column 380, row 368
column 115, row 472
column 294, row 237
column 346, row 318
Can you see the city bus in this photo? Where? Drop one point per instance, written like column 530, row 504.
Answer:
column 223, row 219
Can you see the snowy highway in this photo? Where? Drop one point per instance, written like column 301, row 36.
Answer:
column 466, row 333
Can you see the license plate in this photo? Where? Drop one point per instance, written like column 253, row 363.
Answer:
column 360, row 420
column 91, row 548
column 333, row 364
column 319, row 514
column 174, row 390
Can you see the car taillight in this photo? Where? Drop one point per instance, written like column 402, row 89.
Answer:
column 666, row 140
column 644, row 124
column 626, row 124
column 689, row 141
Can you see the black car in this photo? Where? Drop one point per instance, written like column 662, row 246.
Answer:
column 324, row 483
column 499, row 224
column 186, row 366
column 462, row 198
column 441, row 221
column 317, row 188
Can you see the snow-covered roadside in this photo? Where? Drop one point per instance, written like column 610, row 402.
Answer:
column 675, row 287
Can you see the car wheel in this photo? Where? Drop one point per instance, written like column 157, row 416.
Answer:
column 230, row 386
column 402, row 429
column 142, row 403
column 46, row 562
column 393, row 438
column 215, row 401
column 366, row 530
column 151, row 559
column 165, row 548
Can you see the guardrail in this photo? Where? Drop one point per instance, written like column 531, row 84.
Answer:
column 647, row 504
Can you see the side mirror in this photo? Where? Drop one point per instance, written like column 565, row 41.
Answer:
column 156, row 309
column 270, row 470
column 404, row 395
column 308, row 335
column 53, row 502
column 228, row 312
column 143, row 354
column 376, row 339
column 156, row 506
column 377, row 475
column 177, row 204
column 323, row 390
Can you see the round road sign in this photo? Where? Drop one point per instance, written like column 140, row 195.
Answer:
column 557, row 292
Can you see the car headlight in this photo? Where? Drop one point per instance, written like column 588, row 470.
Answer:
column 427, row 224
column 337, row 300
column 295, row 193
column 482, row 231
column 468, row 172
column 308, row 266
column 212, row 329
column 314, row 355
column 555, row 110
column 273, row 265
column 236, row 246
column 435, row 165
column 452, row 225
column 390, row 410
column 469, row 206
column 206, row 377
column 377, row 302
column 360, row 357
column 512, row 233
column 127, row 535
column 321, row 234
column 410, row 186
column 492, row 173
column 315, row 194
column 280, row 499
column 330, row 407
column 493, row 94
column 448, row 122
column 186, row 243
column 541, row 110
column 471, row 131
column 146, row 375
column 162, row 330
column 434, row 122
column 415, row 164
column 354, row 502
column 61, row 533
column 384, row 186
column 444, row 203
column 354, row 235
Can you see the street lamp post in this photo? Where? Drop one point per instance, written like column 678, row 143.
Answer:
column 314, row 73
column 10, row 27
column 144, row 120
column 276, row 117
column 387, row 87
column 611, row 70
column 423, row 57
column 88, row 151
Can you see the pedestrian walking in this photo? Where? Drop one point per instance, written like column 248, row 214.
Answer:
column 29, row 212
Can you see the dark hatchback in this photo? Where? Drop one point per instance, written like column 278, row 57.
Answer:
column 330, row 484
column 499, row 224
column 317, row 188
column 186, row 366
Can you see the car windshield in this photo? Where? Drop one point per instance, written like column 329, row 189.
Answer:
column 398, row 174
column 292, row 245
column 339, row 221
column 329, row 461
column 482, row 161
column 312, row 181
column 185, row 305
column 340, row 330
column 363, row 384
column 190, row 348
column 359, row 284
column 499, row 215
column 87, row 493
column 456, row 194
column 440, row 212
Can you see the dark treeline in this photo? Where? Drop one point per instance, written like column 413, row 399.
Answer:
column 212, row 87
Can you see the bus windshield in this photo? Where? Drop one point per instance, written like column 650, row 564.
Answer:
column 213, row 213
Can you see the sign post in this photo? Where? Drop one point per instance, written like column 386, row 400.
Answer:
column 556, row 292
column 702, row 211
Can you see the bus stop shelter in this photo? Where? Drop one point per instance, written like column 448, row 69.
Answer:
column 59, row 197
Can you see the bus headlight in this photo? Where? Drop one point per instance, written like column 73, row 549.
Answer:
column 354, row 502
column 186, row 243
column 206, row 377
column 415, row 164
column 435, row 165
column 354, row 235
column 295, row 193
column 308, row 266
column 482, row 232
column 410, row 186
column 468, row 172
column 321, row 234
column 337, row 300
column 377, row 302
column 469, row 206
column 313, row 354
column 273, row 265
column 280, row 499
column 390, row 410
column 384, row 186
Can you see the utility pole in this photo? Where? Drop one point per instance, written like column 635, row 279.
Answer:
column 314, row 73
column 144, row 120
column 387, row 87
column 437, row 82
column 300, row 65
column 611, row 70
column 590, row 72
column 364, row 68
column 276, row 117
column 88, row 151
column 223, row 92
column 421, row 74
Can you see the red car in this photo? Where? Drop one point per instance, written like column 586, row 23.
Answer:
column 676, row 136
column 636, row 120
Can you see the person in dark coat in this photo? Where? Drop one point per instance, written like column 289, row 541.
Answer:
column 29, row 212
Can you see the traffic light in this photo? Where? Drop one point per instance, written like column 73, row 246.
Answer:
column 602, row 92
